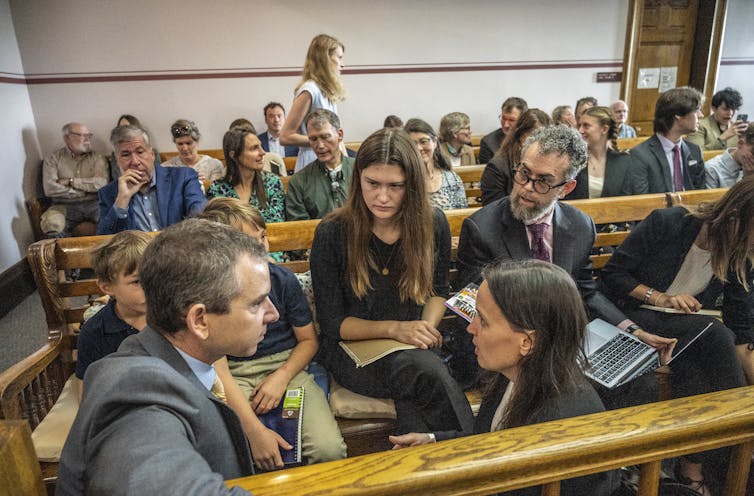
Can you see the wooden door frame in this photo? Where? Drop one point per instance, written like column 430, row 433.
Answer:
column 705, row 62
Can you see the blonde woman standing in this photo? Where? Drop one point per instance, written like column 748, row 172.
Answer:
column 320, row 87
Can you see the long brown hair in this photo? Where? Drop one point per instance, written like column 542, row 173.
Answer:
column 540, row 297
column 416, row 252
column 530, row 121
column 730, row 231
column 318, row 67
column 234, row 142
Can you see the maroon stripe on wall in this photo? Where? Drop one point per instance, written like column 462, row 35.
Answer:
column 393, row 69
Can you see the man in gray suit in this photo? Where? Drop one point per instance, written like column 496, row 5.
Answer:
column 665, row 162
column 150, row 421
column 531, row 223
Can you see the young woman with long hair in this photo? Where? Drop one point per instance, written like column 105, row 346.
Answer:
column 320, row 87
column 380, row 270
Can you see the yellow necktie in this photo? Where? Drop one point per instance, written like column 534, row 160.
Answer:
column 218, row 391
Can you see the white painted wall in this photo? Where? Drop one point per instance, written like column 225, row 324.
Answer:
column 738, row 45
column 96, row 37
column 20, row 150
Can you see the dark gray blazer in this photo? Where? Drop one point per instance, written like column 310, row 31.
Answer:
column 146, row 425
column 651, row 171
column 492, row 233
column 489, row 145
column 617, row 180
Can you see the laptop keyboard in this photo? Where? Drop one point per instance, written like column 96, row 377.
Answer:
column 612, row 358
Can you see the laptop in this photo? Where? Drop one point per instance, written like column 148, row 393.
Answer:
column 617, row 357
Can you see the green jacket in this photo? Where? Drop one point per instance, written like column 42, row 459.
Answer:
column 310, row 192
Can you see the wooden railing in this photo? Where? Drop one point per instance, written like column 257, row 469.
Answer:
column 541, row 454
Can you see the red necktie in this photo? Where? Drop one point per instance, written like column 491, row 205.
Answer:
column 677, row 171
column 538, row 248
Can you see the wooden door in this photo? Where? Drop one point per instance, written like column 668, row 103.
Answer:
column 660, row 35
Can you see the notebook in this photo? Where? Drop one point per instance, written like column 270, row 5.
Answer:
column 617, row 357
column 286, row 420
column 368, row 351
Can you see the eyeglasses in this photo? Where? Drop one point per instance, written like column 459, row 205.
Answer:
column 521, row 176
column 81, row 135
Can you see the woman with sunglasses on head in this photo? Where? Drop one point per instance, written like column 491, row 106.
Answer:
column 320, row 87
column 496, row 179
column 445, row 188
column 607, row 171
column 527, row 331
column 186, row 138
column 380, row 270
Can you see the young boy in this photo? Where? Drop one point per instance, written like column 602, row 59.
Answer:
column 115, row 264
column 281, row 358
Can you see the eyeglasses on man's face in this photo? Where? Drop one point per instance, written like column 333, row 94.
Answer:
column 84, row 136
column 521, row 176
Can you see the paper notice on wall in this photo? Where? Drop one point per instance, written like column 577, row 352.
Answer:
column 649, row 77
column 668, row 78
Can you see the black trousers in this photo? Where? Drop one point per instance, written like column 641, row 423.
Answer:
column 427, row 399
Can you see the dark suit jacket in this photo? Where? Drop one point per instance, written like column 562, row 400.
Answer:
column 489, row 145
column 492, row 233
column 179, row 195
column 617, row 180
column 581, row 401
column 653, row 254
column 146, row 425
column 496, row 181
column 651, row 171
column 290, row 151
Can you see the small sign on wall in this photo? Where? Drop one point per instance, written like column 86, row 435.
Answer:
column 609, row 77
column 649, row 77
column 668, row 77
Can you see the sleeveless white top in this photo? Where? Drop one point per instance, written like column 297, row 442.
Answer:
column 305, row 154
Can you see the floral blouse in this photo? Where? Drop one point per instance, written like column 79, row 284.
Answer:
column 451, row 193
column 275, row 210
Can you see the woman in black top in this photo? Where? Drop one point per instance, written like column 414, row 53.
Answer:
column 380, row 270
column 528, row 331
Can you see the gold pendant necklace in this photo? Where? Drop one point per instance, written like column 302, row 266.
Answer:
column 385, row 271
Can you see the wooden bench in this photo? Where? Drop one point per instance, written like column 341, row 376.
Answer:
column 471, row 175
column 30, row 388
column 541, row 454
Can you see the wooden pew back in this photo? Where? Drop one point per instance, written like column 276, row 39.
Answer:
column 541, row 454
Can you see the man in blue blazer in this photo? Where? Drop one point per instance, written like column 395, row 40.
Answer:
column 665, row 162
column 152, row 419
column 274, row 117
column 146, row 197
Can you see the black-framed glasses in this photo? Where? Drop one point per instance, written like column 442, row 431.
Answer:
column 521, row 176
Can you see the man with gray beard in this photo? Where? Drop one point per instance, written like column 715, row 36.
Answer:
column 531, row 223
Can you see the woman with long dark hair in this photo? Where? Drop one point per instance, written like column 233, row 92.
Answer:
column 528, row 332
column 380, row 270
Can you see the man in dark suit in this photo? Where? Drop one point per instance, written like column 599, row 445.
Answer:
column 665, row 162
column 146, row 197
column 151, row 420
column 531, row 223
column 510, row 111
column 274, row 117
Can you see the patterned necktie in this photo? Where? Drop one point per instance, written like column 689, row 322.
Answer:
column 218, row 391
column 677, row 171
column 538, row 248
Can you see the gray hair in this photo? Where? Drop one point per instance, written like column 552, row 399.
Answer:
column 68, row 127
column 185, row 127
column 452, row 123
column 121, row 134
column 557, row 112
column 322, row 116
column 193, row 262
column 561, row 140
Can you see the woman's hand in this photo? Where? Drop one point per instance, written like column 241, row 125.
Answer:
column 419, row 333
column 268, row 392
column 664, row 346
column 683, row 302
column 410, row 439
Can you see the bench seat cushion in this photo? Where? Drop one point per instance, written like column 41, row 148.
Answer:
column 347, row 404
column 50, row 435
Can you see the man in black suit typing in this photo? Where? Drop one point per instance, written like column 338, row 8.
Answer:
column 665, row 162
